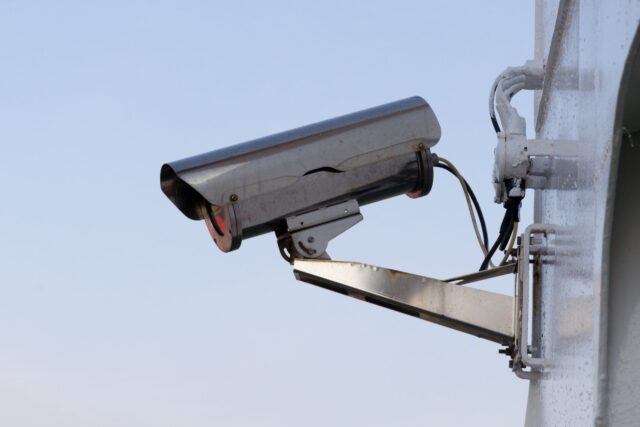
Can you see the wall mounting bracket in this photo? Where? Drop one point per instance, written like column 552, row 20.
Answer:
column 530, row 161
column 535, row 244
column 500, row 318
column 521, row 163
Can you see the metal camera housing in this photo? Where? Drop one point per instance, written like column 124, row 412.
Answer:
column 321, row 172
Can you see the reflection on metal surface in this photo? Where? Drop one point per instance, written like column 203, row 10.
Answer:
column 485, row 314
column 250, row 189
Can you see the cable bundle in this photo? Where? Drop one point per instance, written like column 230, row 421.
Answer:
column 508, row 229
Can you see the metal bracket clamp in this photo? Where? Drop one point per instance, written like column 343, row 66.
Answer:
column 477, row 312
column 522, row 163
column 522, row 357
column 308, row 235
column 517, row 158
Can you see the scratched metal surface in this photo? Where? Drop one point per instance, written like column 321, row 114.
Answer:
column 585, row 55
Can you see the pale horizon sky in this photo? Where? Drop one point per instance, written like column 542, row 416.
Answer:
column 116, row 310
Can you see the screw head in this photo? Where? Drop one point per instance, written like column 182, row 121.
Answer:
column 311, row 239
column 233, row 197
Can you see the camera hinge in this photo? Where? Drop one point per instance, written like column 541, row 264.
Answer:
column 307, row 235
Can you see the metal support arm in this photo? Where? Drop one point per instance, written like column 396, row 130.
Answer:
column 500, row 318
column 485, row 314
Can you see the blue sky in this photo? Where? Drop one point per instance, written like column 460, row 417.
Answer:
column 117, row 310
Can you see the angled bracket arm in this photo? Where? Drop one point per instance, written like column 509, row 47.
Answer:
column 481, row 313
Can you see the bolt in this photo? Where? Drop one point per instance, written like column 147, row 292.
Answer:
column 508, row 351
column 233, row 197
column 310, row 239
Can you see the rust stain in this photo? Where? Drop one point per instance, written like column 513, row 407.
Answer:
column 395, row 273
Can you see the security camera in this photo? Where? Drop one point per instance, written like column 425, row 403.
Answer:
column 307, row 184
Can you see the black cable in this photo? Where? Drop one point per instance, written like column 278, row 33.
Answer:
column 483, row 225
column 494, row 247
column 492, row 111
column 495, row 124
column 507, row 224
column 513, row 204
column 511, row 216
column 507, row 236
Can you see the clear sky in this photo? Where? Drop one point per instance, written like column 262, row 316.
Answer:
column 115, row 310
